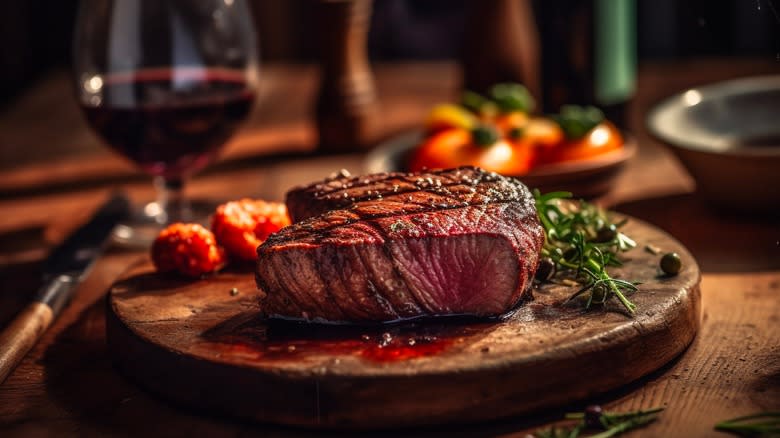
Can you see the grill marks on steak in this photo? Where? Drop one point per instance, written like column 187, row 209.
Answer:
column 397, row 246
column 340, row 191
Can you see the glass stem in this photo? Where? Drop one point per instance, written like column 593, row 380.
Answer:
column 174, row 206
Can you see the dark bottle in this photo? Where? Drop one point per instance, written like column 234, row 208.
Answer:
column 500, row 45
column 588, row 54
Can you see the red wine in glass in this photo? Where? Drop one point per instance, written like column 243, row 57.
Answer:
column 165, row 83
column 170, row 122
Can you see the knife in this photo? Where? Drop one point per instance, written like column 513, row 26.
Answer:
column 63, row 270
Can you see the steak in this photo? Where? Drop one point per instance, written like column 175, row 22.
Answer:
column 392, row 246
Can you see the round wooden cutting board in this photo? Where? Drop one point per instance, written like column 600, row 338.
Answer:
column 202, row 345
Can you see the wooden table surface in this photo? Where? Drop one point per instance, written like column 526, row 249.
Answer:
column 53, row 172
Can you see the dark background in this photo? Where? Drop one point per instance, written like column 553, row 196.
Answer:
column 35, row 35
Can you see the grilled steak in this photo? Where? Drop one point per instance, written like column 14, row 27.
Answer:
column 391, row 246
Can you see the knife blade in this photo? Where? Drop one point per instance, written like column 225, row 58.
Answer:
column 63, row 270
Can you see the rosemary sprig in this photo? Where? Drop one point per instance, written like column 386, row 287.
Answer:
column 610, row 423
column 582, row 240
column 558, row 432
column 763, row 424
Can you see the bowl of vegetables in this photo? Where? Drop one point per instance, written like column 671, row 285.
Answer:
column 575, row 150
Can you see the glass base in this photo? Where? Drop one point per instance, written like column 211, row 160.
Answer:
column 140, row 230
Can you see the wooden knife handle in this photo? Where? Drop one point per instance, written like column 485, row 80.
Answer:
column 20, row 336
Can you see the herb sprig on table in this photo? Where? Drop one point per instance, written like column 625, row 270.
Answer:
column 608, row 423
column 762, row 424
column 583, row 241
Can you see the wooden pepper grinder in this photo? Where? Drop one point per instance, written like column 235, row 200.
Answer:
column 346, row 103
column 501, row 45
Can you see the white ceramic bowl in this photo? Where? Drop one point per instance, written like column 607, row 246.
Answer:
column 727, row 135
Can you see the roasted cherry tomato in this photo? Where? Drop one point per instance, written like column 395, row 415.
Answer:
column 512, row 125
column 241, row 226
column 188, row 249
column 542, row 132
column 480, row 147
column 603, row 138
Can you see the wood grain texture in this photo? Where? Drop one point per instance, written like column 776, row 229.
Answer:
column 20, row 336
column 736, row 370
column 197, row 344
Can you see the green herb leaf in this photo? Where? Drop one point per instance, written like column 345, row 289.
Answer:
column 576, row 121
column 762, row 424
column 511, row 96
column 474, row 102
column 578, row 247
column 610, row 423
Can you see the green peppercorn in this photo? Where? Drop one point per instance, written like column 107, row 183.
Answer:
column 545, row 270
column 593, row 415
column 606, row 234
column 671, row 263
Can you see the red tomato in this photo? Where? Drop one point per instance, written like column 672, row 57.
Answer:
column 188, row 249
column 508, row 122
column 241, row 226
column 542, row 132
column 605, row 137
column 455, row 147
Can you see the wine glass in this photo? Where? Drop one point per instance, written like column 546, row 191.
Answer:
column 165, row 83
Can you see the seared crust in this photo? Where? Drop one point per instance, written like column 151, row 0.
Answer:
column 340, row 191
